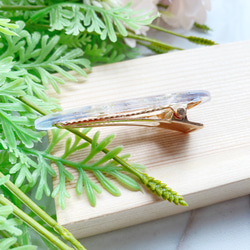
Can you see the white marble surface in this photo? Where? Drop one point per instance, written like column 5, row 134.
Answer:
column 221, row 226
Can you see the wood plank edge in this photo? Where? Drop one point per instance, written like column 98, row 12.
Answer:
column 157, row 210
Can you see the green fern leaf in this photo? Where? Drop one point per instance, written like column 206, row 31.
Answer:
column 125, row 180
column 60, row 189
column 108, row 185
column 13, row 126
column 72, row 16
column 38, row 57
column 5, row 27
column 75, row 27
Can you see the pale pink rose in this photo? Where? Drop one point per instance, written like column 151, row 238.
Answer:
column 144, row 5
column 184, row 13
column 147, row 6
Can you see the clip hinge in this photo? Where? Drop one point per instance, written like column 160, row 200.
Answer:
column 178, row 119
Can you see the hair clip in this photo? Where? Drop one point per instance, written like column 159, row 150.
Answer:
column 162, row 111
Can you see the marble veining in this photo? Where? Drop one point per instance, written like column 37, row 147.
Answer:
column 221, row 226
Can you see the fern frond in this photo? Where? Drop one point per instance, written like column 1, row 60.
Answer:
column 13, row 128
column 9, row 226
column 42, row 171
column 16, row 127
column 99, row 52
column 75, row 18
column 102, row 169
column 90, row 187
column 76, row 41
column 5, row 27
column 17, row 9
column 34, row 58
column 60, row 189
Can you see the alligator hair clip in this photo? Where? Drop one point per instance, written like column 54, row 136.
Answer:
column 162, row 111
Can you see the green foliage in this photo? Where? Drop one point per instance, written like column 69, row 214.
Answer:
column 156, row 47
column 109, row 53
column 77, row 41
column 200, row 40
column 60, row 189
column 202, row 27
column 14, row 128
column 5, row 27
column 9, row 227
column 159, row 49
column 16, row 124
column 42, row 170
column 30, row 166
column 162, row 190
column 17, row 10
column 38, row 39
column 36, row 57
column 17, row 127
column 98, row 51
column 76, row 18
column 102, row 169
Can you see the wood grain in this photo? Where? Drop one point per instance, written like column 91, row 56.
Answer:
column 207, row 166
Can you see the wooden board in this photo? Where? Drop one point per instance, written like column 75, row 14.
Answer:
column 207, row 166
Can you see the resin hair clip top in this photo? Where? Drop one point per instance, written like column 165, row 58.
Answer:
column 162, row 111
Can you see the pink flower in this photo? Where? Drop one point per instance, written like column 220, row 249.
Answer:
column 184, row 13
column 147, row 6
column 144, row 5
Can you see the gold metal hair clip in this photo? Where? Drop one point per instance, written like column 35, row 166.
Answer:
column 162, row 111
